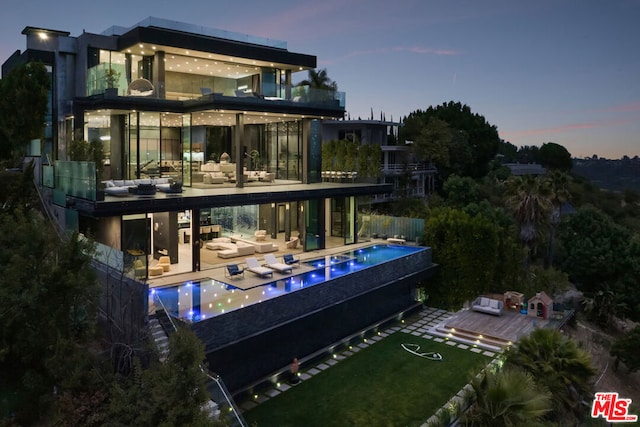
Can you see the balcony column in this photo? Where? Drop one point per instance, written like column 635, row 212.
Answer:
column 287, row 84
column 238, row 142
column 159, row 75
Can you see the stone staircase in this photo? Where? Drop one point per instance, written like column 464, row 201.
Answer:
column 161, row 340
column 159, row 337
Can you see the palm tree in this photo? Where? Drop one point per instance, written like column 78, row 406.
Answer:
column 321, row 87
column 508, row 397
column 529, row 198
column 558, row 183
column 559, row 365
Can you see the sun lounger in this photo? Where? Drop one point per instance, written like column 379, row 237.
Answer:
column 271, row 262
column 254, row 266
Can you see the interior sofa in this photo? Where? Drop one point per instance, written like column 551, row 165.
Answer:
column 228, row 249
column 487, row 305
column 260, row 247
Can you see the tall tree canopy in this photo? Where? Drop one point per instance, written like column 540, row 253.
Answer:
column 23, row 104
column 594, row 249
column 470, row 140
column 554, row 156
column 474, row 253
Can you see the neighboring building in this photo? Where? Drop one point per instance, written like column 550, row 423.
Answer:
column 519, row 169
column 205, row 136
column 398, row 165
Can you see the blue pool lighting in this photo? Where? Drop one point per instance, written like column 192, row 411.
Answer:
column 198, row 300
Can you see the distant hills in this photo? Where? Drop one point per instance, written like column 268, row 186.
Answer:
column 614, row 175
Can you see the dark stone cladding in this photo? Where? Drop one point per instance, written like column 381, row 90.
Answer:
column 204, row 43
column 246, row 345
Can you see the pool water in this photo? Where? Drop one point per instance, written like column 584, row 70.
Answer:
column 204, row 299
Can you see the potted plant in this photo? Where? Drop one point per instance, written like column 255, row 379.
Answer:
column 256, row 159
column 111, row 78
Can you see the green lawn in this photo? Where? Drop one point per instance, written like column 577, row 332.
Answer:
column 382, row 385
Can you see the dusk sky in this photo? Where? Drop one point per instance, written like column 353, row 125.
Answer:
column 564, row 71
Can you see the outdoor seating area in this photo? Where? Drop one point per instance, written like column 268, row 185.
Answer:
column 289, row 259
column 233, row 270
column 339, row 176
column 487, row 305
column 142, row 187
column 272, row 263
column 253, row 265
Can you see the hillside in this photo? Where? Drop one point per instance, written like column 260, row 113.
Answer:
column 614, row 175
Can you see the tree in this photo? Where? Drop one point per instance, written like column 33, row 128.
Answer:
column 23, row 104
column 626, row 349
column 559, row 187
column 465, row 247
column 558, row 365
column 321, row 87
column 508, row 397
column 473, row 144
column 529, row 199
column 50, row 296
column 593, row 249
column 431, row 144
column 554, row 157
column 166, row 394
column 460, row 191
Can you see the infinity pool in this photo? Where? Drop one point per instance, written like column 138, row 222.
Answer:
column 196, row 301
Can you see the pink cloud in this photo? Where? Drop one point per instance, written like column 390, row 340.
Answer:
column 513, row 136
column 415, row 49
column 625, row 108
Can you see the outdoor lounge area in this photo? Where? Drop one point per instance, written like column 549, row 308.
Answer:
column 487, row 305
column 142, row 187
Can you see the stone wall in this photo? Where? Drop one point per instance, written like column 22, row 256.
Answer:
column 246, row 345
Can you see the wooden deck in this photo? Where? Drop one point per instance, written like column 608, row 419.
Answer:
column 508, row 327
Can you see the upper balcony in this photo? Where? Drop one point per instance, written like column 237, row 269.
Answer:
column 157, row 60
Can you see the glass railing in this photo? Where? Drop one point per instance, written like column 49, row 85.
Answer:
column 203, row 89
column 76, row 179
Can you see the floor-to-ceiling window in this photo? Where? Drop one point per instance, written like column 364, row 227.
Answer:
column 284, row 145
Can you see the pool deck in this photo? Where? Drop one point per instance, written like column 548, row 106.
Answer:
column 251, row 280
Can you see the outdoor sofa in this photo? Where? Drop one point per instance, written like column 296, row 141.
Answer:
column 487, row 305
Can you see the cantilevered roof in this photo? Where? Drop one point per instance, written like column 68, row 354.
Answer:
column 223, row 196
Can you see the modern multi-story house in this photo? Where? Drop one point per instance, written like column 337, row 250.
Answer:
column 398, row 165
column 206, row 138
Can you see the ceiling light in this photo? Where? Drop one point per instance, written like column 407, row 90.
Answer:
column 43, row 36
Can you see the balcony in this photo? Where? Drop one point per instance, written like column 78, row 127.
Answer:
column 204, row 91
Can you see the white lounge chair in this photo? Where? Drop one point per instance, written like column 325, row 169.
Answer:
column 254, row 266
column 280, row 267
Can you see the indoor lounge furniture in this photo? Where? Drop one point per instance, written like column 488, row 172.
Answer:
column 293, row 243
column 241, row 249
column 260, row 235
column 165, row 263
column 254, row 266
column 272, row 263
column 233, row 270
